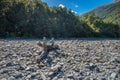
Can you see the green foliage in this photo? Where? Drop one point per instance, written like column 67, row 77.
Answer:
column 102, row 28
column 33, row 18
column 109, row 12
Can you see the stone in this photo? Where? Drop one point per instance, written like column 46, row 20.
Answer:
column 4, row 71
column 3, row 79
column 70, row 77
column 14, row 56
column 11, row 78
column 42, row 76
column 86, row 78
column 33, row 75
column 91, row 66
column 97, row 70
column 19, row 67
column 115, row 60
column 18, row 75
column 50, row 73
column 41, row 65
column 38, row 52
column 88, row 73
column 113, row 75
column 92, row 79
column 28, row 77
column 30, row 69
column 56, row 67
column 9, row 64
column 103, row 78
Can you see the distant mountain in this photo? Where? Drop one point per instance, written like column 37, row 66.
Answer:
column 116, row 0
column 109, row 12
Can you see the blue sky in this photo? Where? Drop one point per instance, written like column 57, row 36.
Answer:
column 78, row 6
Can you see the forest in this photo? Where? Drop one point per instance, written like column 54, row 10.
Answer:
column 35, row 19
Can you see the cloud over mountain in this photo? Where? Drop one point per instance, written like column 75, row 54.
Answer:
column 61, row 5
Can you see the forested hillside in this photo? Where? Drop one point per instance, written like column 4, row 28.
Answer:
column 34, row 19
column 109, row 12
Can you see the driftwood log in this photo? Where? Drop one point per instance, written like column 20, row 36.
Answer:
column 45, row 49
column 48, row 47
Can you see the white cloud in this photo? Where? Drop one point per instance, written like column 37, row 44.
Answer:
column 61, row 5
column 74, row 11
column 76, row 6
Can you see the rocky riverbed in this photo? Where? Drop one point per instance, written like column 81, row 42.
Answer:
column 76, row 60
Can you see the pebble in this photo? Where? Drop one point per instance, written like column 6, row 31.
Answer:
column 70, row 77
column 3, row 79
column 113, row 75
column 19, row 67
column 50, row 73
column 92, row 67
column 33, row 75
column 56, row 67
column 9, row 64
column 18, row 75
column 30, row 69
column 92, row 79
column 11, row 78
column 103, row 78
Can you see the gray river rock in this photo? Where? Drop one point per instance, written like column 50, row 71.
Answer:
column 76, row 60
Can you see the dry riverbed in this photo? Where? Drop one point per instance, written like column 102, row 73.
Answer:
column 76, row 60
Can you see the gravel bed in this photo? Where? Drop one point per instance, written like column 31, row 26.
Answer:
column 76, row 60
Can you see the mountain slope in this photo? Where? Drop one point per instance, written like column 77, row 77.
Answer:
column 109, row 12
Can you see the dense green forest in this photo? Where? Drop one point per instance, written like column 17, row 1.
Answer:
column 34, row 19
